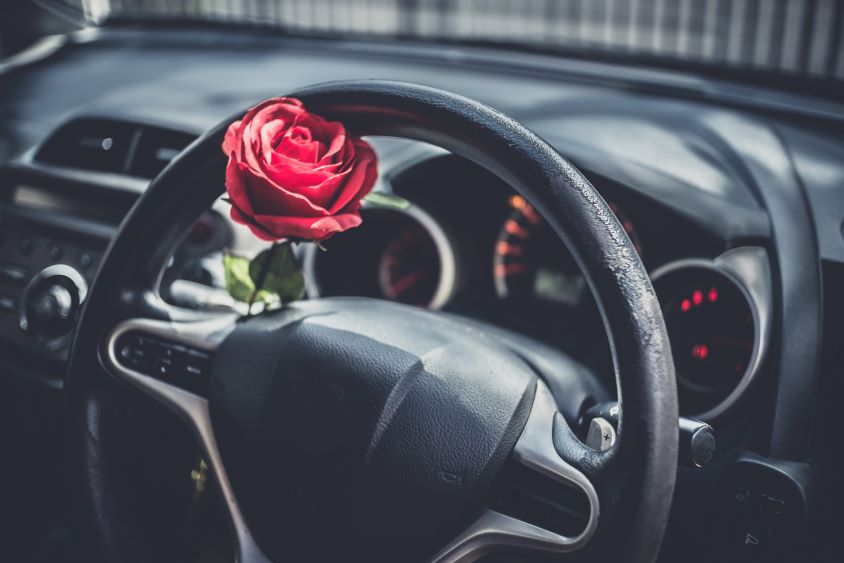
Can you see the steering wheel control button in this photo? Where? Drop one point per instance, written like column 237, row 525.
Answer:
column 12, row 273
column 172, row 363
column 601, row 435
column 133, row 354
column 766, row 501
column 743, row 495
column 752, row 541
column 771, row 504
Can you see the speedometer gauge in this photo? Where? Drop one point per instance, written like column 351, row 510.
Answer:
column 409, row 268
column 530, row 262
column 397, row 254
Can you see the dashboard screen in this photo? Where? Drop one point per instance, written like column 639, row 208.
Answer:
column 50, row 201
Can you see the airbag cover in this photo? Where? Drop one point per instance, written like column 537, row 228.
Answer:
column 384, row 423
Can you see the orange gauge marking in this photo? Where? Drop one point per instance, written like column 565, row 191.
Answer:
column 517, row 202
column 507, row 249
column 504, row 270
column 513, row 228
column 531, row 215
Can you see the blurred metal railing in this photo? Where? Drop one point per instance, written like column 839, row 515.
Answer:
column 802, row 37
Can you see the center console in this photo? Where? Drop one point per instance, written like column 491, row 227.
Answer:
column 51, row 242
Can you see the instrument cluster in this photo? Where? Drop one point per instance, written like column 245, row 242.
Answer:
column 468, row 244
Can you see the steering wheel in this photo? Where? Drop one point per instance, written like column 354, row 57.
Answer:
column 372, row 429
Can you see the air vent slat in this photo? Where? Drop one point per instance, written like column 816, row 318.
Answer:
column 156, row 148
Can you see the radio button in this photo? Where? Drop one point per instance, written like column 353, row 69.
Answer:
column 86, row 260
column 25, row 245
column 55, row 252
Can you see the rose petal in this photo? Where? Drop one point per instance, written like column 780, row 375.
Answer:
column 268, row 197
column 271, row 135
column 231, row 141
column 298, row 144
column 286, row 110
column 337, row 135
column 257, row 230
column 236, row 185
column 361, row 179
column 308, row 228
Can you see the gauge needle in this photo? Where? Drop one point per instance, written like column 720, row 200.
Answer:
column 403, row 284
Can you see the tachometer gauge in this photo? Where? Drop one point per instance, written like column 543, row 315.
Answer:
column 530, row 262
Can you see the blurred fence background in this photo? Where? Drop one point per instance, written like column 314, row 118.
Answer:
column 801, row 37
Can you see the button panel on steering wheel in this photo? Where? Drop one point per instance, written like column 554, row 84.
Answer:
column 177, row 364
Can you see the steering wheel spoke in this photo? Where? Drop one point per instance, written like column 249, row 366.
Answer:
column 173, row 353
column 544, row 504
column 170, row 362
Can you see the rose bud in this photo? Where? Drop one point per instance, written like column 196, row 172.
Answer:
column 294, row 175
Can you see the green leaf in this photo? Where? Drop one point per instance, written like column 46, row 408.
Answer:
column 388, row 201
column 238, row 283
column 281, row 273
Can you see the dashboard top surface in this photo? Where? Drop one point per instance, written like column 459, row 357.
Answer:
column 185, row 89
column 683, row 152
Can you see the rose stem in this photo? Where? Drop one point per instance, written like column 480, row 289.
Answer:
column 262, row 276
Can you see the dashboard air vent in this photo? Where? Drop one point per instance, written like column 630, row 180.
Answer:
column 120, row 147
column 155, row 149
column 90, row 144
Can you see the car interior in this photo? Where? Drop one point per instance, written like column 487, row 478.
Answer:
column 601, row 320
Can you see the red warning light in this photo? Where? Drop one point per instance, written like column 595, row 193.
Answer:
column 700, row 351
column 713, row 295
column 685, row 305
column 697, row 297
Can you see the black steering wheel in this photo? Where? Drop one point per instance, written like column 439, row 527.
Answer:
column 370, row 429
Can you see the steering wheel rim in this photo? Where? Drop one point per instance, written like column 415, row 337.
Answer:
column 634, row 480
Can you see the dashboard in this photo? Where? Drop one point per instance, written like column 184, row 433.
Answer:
column 496, row 261
column 735, row 209
column 465, row 243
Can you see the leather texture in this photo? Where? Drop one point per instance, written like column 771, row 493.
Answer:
column 634, row 480
column 381, row 422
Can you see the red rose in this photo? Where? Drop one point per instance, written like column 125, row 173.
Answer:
column 292, row 174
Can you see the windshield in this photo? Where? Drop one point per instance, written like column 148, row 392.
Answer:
column 789, row 37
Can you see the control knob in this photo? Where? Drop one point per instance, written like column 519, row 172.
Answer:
column 51, row 303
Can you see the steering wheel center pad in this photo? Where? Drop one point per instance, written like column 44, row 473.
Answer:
column 385, row 422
